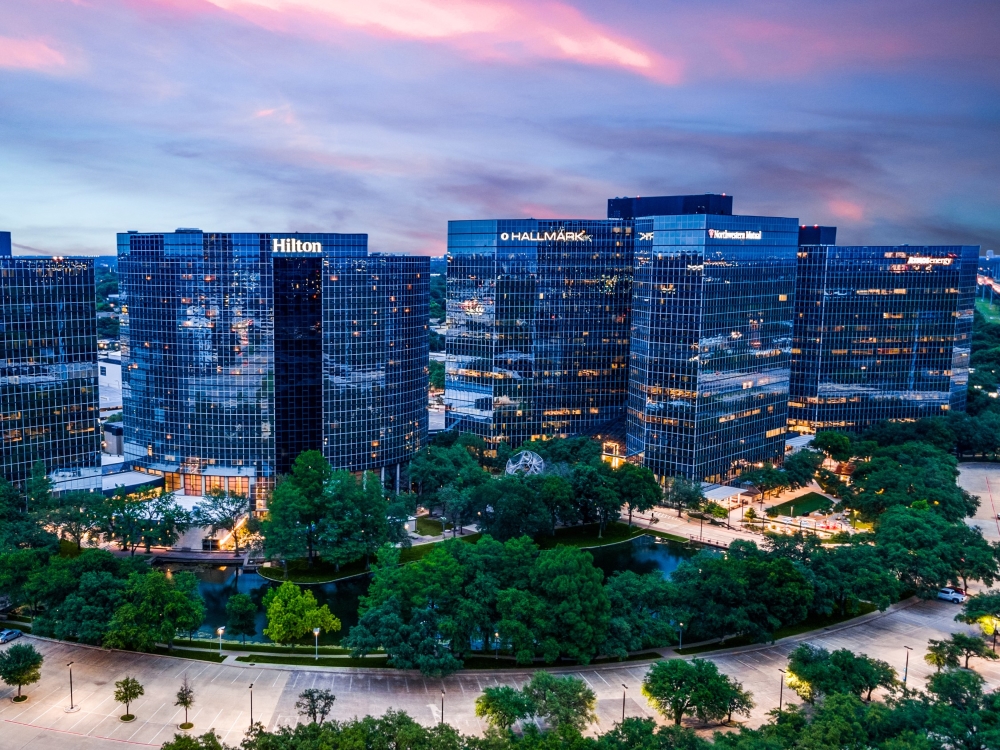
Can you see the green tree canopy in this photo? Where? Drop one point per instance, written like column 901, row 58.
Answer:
column 156, row 607
column 292, row 613
column 20, row 665
column 677, row 688
column 241, row 616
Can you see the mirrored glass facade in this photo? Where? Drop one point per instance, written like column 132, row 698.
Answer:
column 223, row 353
column 375, row 346
column 880, row 333
column 538, row 326
column 711, row 343
column 49, row 403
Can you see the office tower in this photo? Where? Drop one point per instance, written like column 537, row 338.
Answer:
column 48, row 370
column 711, row 339
column 880, row 333
column 228, row 349
column 538, row 327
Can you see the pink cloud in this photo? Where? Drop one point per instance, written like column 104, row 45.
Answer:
column 507, row 30
column 29, row 54
column 844, row 209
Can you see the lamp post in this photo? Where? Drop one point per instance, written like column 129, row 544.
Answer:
column 701, row 526
column 906, row 667
column 680, row 629
column 251, row 704
column 220, row 631
column 496, row 642
column 442, row 705
column 781, row 690
column 316, row 636
column 624, row 688
column 72, row 707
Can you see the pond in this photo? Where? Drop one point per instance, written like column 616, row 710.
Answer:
column 642, row 554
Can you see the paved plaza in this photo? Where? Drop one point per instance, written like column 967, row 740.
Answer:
column 222, row 694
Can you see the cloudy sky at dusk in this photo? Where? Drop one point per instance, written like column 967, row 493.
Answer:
column 392, row 116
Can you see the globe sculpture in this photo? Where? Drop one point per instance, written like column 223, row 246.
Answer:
column 526, row 462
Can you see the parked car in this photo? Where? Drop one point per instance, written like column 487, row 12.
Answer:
column 955, row 596
column 8, row 635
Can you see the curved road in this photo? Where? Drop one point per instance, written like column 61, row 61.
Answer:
column 222, row 695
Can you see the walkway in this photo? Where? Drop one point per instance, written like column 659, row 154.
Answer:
column 223, row 696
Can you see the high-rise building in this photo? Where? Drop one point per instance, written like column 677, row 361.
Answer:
column 538, row 327
column 229, row 348
column 711, row 340
column 49, row 405
column 880, row 333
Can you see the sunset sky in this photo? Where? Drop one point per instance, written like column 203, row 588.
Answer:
column 393, row 116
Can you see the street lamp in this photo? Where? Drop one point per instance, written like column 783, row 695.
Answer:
column 220, row 631
column 781, row 690
column 316, row 636
column 624, row 688
column 442, row 705
column 496, row 642
column 72, row 708
column 680, row 629
column 251, row 704
column 906, row 667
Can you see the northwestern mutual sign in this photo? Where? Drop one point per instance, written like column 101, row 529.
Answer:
column 295, row 246
column 725, row 234
column 553, row 236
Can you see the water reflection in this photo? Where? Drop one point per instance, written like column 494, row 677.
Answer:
column 641, row 555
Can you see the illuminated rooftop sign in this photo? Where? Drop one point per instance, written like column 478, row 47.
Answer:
column 295, row 246
column 555, row 236
column 915, row 260
column 725, row 234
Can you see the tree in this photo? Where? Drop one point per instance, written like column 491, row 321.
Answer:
column 597, row 493
column 968, row 646
column 684, row 493
column 38, row 490
column 641, row 613
column 836, row 445
column 128, row 690
column 241, row 616
column 297, row 508
column 207, row 741
column 503, row 706
column 18, row 529
column 556, row 494
column 315, row 704
column 677, row 687
column 435, row 372
column 637, row 486
column 735, row 700
column 983, row 609
column 155, row 608
column 142, row 518
column 222, row 511
column 185, row 699
column 963, row 715
column 813, row 672
column 77, row 515
column 86, row 613
column 561, row 701
column 20, row 664
column 292, row 613
column 943, row 653
column 800, row 468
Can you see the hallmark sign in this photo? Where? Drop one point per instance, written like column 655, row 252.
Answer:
column 556, row 236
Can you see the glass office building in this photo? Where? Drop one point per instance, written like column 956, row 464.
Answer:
column 538, row 327
column 711, row 341
column 49, row 403
column 880, row 333
column 223, row 348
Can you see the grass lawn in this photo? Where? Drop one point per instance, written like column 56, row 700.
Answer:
column 427, row 526
column 419, row 551
column 586, row 535
column 320, row 572
column 812, row 623
column 988, row 311
column 266, row 648
column 803, row 505
column 309, row 661
column 184, row 653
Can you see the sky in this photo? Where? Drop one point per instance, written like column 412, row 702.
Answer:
column 393, row 116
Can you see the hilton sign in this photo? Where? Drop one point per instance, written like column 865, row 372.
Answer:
column 295, row 246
